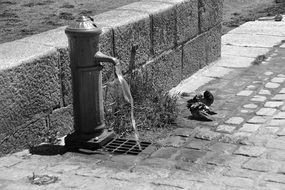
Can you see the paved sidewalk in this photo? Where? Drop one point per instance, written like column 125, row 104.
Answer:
column 243, row 148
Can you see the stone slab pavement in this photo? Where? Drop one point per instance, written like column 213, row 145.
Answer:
column 243, row 148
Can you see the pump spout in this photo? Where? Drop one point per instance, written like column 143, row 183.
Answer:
column 101, row 57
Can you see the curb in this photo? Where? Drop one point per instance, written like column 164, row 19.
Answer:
column 240, row 47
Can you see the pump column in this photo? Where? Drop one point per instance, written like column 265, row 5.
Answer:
column 90, row 131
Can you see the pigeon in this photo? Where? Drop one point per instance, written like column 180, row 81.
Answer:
column 201, row 112
column 207, row 98
column 278, row 17
column 199, row 106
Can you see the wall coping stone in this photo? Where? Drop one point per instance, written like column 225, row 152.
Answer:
column 15, row 53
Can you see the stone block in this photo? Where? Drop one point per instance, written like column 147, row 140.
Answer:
column 272, row 85
column 65, row 76
column 262, row 165
column 183, row 132
column 225, row 128
column 268, row 29
column 210, row 13
column 17, row 138
column 13, row 54
column 273, row 104
column 257, row 120
column 165, row 71
column 238, row 182
column 9, row 161
column 28, row 85
column 55, row 38
column 15, row 175
column 237, row 172
column 198, row 144
column 234, row 61
column 163, row 23
column 186, row 19
column 217, row 72
column 190, row 85
column 282, row 91
column 279, row 97
column 276, row 143
column 164, row 152
column 251, row 40
column 276, row 155
column 131, row 30
column 158, row 163
column 264, row 92
column 207, row 134
column 251, row 151
column 234, row 120
column 276, row 122
column 280, row 115
column 277, row 178
column 249, row 128
column 194, row 56
column 173, row 141
column 61, row 120
column 278, row 79
column 266, row 111
column 245, row 93
column 188, row 155
column 258, row 98
column 213, row 43
column 223, row 148
column 216, row 158
column 251, row 52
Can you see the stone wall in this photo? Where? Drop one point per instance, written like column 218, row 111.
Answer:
column 172, row 39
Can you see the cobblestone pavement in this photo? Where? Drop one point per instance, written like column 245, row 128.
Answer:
column 243, row 148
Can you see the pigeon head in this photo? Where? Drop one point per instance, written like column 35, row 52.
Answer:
column 209, row 97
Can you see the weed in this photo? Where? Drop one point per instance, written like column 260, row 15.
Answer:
column 259, row 59
column 42, row 179
column 153, row 108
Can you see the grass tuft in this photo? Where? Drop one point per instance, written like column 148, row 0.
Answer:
column 259, row 59
column 153, row 108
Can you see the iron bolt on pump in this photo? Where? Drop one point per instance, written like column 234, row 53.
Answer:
column 90, row 131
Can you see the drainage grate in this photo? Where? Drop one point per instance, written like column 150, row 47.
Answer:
column 125, row 146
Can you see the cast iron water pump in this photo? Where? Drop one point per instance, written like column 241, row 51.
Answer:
column 85, row 62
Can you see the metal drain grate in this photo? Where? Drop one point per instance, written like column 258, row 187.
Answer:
column 125, row 146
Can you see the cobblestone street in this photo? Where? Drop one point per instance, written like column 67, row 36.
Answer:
column 243, row 148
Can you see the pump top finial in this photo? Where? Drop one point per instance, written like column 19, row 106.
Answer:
column 83, row 24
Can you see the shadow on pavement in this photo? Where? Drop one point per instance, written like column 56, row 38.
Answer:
column 51, row 150
column 48, row 149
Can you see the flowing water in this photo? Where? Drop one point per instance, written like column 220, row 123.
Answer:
column 128, row 97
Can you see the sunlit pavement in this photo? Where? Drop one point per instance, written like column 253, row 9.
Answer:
column 242, row 148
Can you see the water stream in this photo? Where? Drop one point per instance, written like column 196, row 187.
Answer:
column 128, row 97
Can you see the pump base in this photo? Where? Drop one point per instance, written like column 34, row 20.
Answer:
column 89, row 142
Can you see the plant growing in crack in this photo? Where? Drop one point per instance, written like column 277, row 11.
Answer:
column 153, row 108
